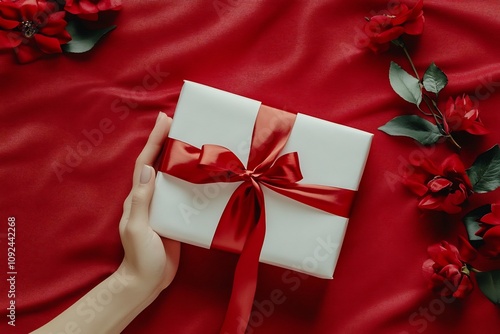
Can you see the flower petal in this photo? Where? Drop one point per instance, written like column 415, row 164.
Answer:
column 467, row 102
column 453, row 164
column 427, row 268
column 477, row 128
column 29, row 11
column 451, row 253
column 9, row 39
column 438, row 183
column 430, row 202
column 81, row 7
column 389, row 35
column 8, row 24
column 48, row 44
column 109, row 4
column 464, row 288
column 415, row 27
column 409, row 15
column 451, row 203
column 55, row 24
column 466, row 251
column 491, row 245
column 26, row 53
column 416, row 187
column 495, row 208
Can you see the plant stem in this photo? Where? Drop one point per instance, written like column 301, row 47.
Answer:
column 425, row 113
column 453, row 141
column 437, row 108
column 430, row 108
column 448, row 135
column 399, row 42
column 432, row 113
column 409, row 59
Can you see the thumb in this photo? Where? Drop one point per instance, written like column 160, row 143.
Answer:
column 141, row 198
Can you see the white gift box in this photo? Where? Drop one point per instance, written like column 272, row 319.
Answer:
column 298, row 237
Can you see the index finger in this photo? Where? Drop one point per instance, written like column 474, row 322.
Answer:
column 153, row 145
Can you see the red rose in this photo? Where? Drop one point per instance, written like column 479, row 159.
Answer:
column 490, row 231
column 382, row 29
column 442, row 188
column 89, row 9
column 446, row 271
column 462, row 116
column 32, row 29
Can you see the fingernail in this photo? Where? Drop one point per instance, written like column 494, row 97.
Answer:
column 145, row 174
column 158, row 117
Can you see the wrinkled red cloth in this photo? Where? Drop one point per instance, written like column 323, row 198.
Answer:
column 72, row 126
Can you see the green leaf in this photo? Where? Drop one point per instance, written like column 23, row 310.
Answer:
column 404, row 84
column 489, row 283
column 472, row 224
column 83, row 39
column 484, row 174
column 414, row 127
column 434, row 79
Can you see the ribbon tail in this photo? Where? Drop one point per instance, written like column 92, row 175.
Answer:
column 337, row 201
column 242, row 208
column 245, row 279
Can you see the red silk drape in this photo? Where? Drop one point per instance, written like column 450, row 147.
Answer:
column 71, row 127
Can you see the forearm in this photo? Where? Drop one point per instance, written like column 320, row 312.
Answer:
column 107, row 308
column 149, row 265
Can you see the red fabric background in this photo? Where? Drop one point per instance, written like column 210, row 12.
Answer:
column 294, row 55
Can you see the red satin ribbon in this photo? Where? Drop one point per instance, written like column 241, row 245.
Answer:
column 242, row 225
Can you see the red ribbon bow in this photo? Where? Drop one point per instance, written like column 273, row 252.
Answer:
column 242, row 225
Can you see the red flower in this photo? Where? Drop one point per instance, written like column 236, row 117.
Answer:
column 32, row 29
column 89, row 9
column 446, row 271
column 442, row 188
column 490, row 231
column 462, row 116
column 382, row 29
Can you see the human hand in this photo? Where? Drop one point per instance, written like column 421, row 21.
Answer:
column 152, row 259
column 149, row 264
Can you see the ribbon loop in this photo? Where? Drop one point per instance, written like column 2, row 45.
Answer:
column 285, row 170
